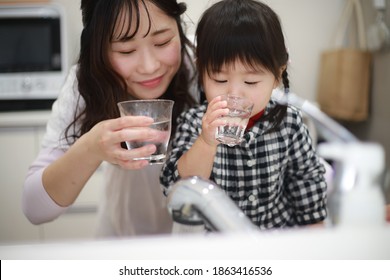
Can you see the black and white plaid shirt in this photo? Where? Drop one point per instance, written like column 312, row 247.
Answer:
column 276, row 178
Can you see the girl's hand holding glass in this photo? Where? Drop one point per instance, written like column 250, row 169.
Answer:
column 232, row 131
column 212, row 119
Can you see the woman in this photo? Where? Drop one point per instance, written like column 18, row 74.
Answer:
column 130, row 49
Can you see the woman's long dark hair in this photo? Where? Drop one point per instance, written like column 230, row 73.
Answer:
column 99, row 85
column 244, row 30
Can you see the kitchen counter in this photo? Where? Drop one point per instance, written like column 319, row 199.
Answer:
column 321, row 244
column 24, row 118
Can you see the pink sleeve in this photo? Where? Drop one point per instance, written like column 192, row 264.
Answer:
column 37, row 205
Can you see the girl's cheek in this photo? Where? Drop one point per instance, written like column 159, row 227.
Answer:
column 210, row 96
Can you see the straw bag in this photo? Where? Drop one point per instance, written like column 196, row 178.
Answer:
column 345, row 73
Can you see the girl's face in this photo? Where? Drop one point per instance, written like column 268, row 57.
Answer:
column 149, row 62
column 239, row 79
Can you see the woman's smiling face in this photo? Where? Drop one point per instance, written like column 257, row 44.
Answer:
column 148, row 61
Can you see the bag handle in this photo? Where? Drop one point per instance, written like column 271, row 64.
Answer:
column 346, row 17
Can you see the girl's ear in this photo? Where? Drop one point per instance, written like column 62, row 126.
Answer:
column 281, row 70
column 279, row 80
column 277, row 84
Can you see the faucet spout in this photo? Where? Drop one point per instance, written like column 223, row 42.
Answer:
column 196, row 201
column 329, row 129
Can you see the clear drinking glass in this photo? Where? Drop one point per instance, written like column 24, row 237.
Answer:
column 240, row 109
column 161, row 111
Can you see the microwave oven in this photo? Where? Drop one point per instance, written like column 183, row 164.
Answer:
column 33, row 55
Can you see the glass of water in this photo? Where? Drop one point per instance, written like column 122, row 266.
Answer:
column 240, row 109
column 161, row 111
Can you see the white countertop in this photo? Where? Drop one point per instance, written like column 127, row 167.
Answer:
column 323, row 244
column 24, row 118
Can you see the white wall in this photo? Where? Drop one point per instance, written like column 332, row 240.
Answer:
column 308, row 26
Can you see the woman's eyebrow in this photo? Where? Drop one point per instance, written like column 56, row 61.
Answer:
column 154, row 33
column 160, row 31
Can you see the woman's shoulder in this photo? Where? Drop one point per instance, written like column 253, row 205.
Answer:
column 69, row 93
column 63, row 110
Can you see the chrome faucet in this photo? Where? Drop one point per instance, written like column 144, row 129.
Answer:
column 195, row 201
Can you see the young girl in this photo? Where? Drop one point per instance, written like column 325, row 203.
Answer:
column 274, row 175
column 130, row 49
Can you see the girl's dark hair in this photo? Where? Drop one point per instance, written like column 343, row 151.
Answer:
column 244, row 30
column 99, row 85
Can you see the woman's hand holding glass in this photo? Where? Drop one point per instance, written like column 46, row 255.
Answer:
column 108, row 135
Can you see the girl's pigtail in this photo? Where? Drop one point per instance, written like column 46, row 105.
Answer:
column 286, row 82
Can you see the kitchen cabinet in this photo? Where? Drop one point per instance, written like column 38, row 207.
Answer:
column 17, row 149
column 20, row 138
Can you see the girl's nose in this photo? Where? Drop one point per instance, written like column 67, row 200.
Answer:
column 235, row 89
column 148, row 62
